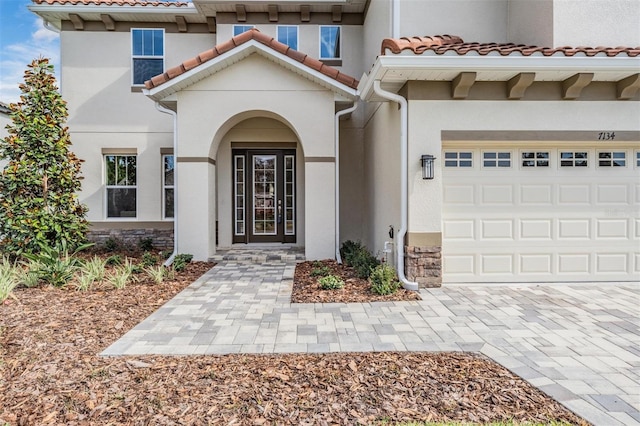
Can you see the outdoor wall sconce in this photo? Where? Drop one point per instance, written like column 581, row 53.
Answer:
column 427, row 166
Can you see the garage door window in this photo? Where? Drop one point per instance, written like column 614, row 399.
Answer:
column 458, row 159
column 573, row 159
column 638, row 159
column 496, row 159
column 612, row 159
column 535, row 159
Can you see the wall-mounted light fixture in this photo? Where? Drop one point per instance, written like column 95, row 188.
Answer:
column 427, row 166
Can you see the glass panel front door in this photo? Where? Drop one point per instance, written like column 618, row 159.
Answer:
column 264, row 196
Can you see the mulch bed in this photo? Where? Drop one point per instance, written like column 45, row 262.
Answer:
column 306, row 288
column 50, row 374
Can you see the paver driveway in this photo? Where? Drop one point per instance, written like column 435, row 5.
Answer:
column 579, row 343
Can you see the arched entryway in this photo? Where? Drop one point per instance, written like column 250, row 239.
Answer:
column 260, row 174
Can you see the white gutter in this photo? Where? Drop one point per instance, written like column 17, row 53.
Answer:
column 49, row 26
column 404, row 183
column 337, row 179
column 174, row 114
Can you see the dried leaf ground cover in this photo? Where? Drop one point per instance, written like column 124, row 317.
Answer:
column 49, row 339
column 306, row 288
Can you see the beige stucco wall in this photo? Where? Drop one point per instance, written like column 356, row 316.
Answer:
column 427, row 119
column 351, row 181
column 381, row 175
column 211, row 108
column 596, row 23
column 473, row 20
column 377, row 27
column 104, row 113
column 530, row 22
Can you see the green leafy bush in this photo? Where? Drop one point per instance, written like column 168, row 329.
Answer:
column 39, row 207
column 331, row 282
column 94, row 268
column 165, row 254
column 121, row 276
column 156, row 273
column 116, row 259
column 363, row 262
column 349, row 249
column 321, row 271
column 148, row 260
column 84, row 282
column 145, row 244
column 383, row 280
column 54, row 265
column 112, row 244
column 8, row 279
column 27, row 275
column 181, row 261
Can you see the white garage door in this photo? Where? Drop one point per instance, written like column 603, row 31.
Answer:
column 536, row 214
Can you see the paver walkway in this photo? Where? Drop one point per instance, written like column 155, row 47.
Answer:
column 578, row 343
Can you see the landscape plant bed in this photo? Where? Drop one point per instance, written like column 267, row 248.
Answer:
column 50, row 373
column 306, row 288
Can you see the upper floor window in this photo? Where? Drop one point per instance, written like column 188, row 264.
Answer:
column 288, row 34
column 147, row 53
column 239, row 29
column 330, row 42
column 121, row 185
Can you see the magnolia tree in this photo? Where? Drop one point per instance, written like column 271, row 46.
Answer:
column 38, row 203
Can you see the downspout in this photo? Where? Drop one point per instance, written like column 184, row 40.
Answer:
column 337, row 166
column 404, row 183
column 395, row 17
column 174, row 114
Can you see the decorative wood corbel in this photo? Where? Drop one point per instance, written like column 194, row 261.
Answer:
column 517, row 86
column 241, row 13
column 572, row 87
column 182, row 24
column 273, row 12
column 628, row 87
column 77, row 21
column 211, row 24
column 336, row 13
column 461, row 85
column 109, row 23
column 305, row 13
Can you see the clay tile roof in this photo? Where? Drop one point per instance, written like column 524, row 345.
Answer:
column 115, row 2
column 252, row 34
column 441, row 44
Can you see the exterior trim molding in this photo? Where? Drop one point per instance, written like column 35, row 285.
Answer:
column 533, row 135
column 104, row 225
column 196, row 160
column 424, row 239
column 319, row 159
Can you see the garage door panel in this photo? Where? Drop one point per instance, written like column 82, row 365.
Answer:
column 536, row 194
column 612, row 228
column 535, row 229
column 541, row 224
column 496, row 194
column 612, row 194
column 574, row 229
column 574, row 194
column 497, row 229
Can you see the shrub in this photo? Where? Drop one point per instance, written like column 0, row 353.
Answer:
column 181, row 261
column 27, row 275
column 156, row 273
column 121, row 276
column 165, row 254
column 148, row 260
column 363, row 262
column 145, row 244
column 84, row 282
column 94, row 268
column 39, row 206
column 116, row 259
column 331, row 282
column 321, row 271
column 383, row 280
column 8, row 279
column 55, row 265
column 112, row 244
column 349, row 249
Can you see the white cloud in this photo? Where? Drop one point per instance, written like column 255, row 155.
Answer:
column 16, row 57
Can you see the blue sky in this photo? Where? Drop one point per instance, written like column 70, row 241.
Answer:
column 22, row 39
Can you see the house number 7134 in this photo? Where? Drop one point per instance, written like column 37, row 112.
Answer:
column 606, row 136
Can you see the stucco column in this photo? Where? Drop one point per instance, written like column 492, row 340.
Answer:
column 196, row 203
column 319, row 209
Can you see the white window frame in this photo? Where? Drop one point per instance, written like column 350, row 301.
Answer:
column 497, row 159
column 297, row 28
column 107, row 187
column 339, row 57
column 611, row 160
column 573, row 158
column 134, row 57
column 457, row 160
column 165, row 187
column 247, row 28
column 535, row 159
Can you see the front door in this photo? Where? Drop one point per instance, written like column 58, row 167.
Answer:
column 264, row 196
